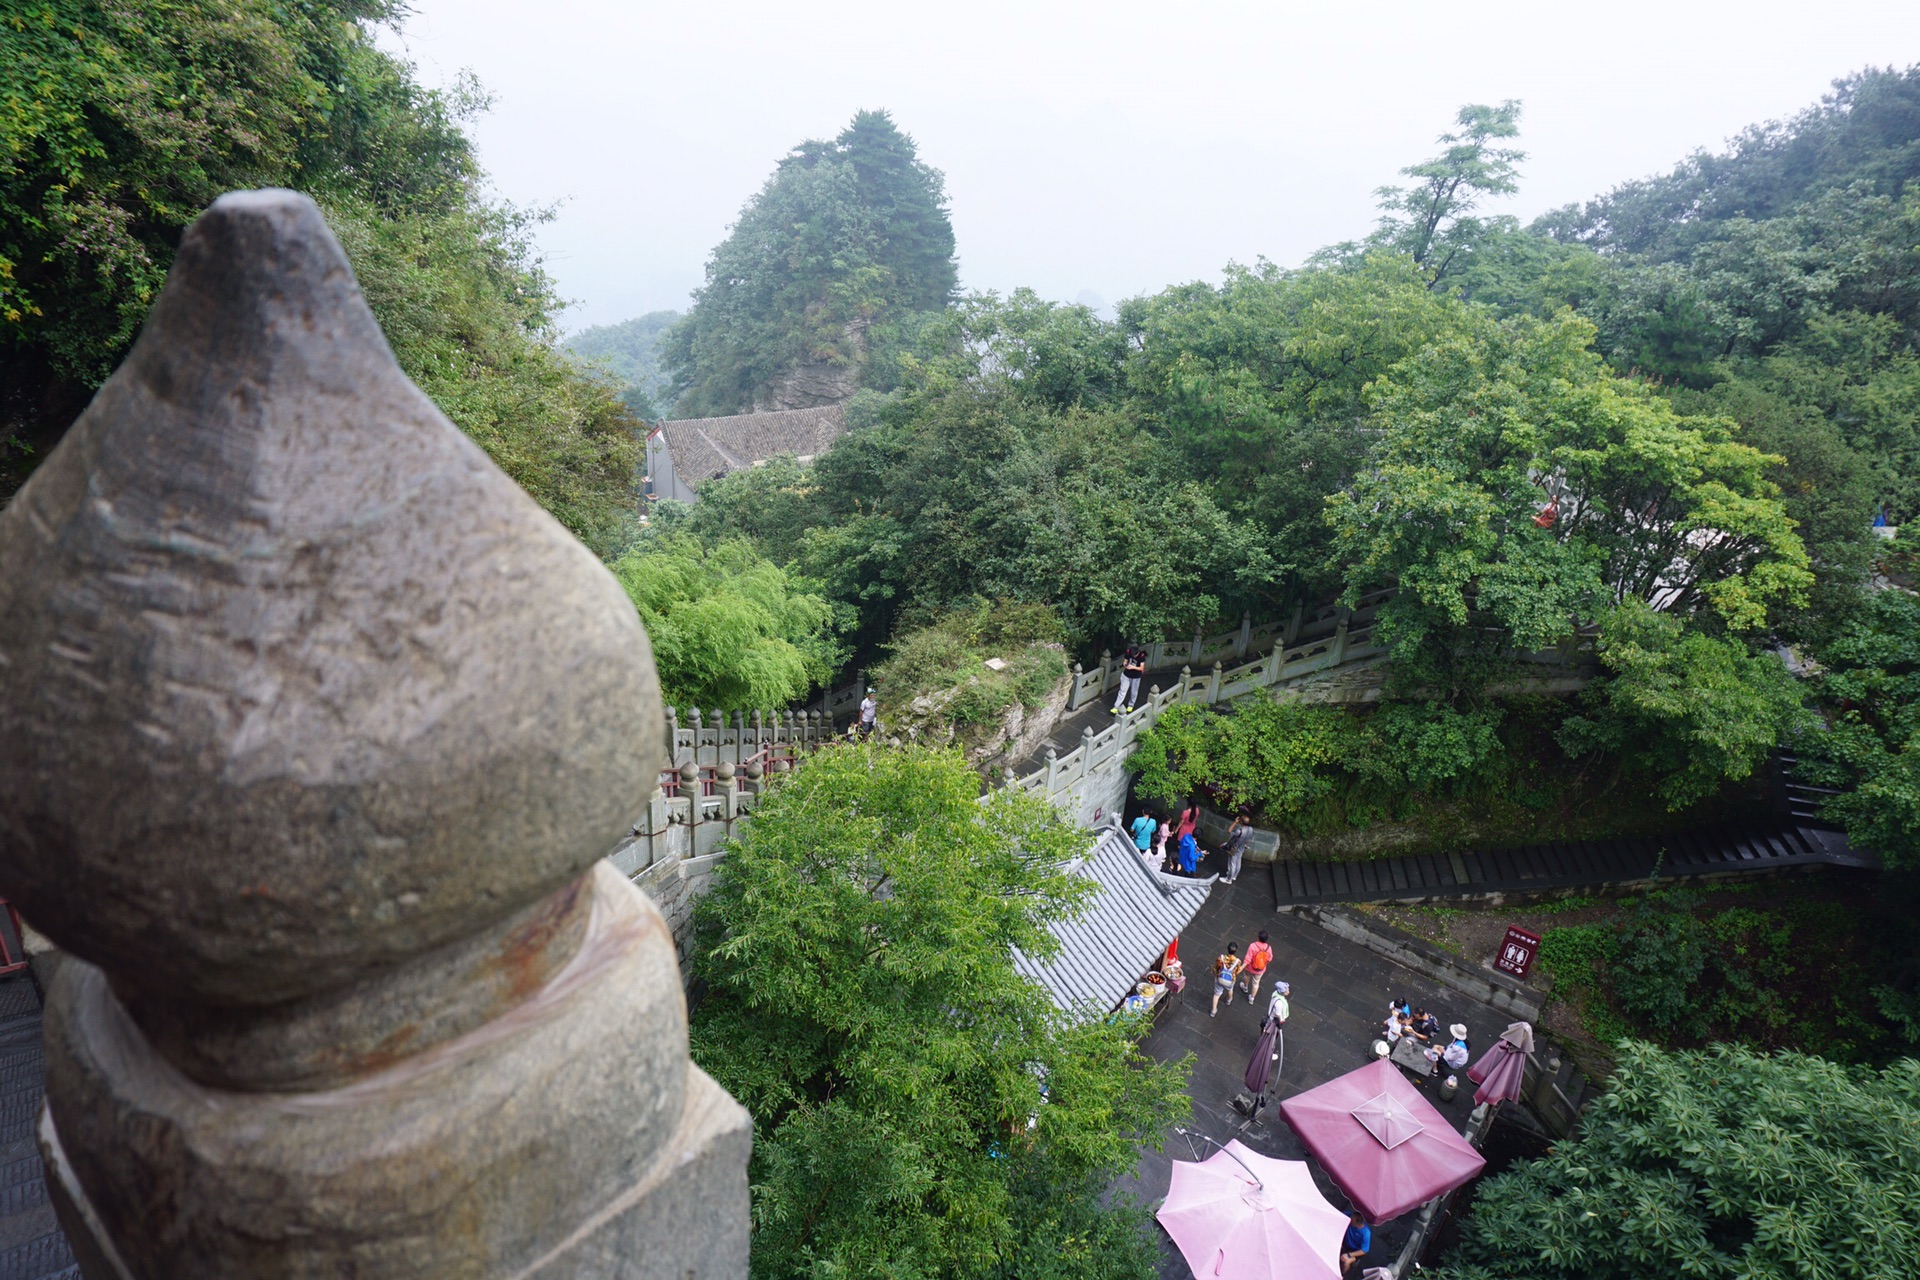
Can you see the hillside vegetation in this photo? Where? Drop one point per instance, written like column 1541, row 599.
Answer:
column 122, row 122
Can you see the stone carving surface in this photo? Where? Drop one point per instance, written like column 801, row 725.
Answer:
column 313, row 729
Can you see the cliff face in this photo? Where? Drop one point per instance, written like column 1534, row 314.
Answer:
column 813, row 383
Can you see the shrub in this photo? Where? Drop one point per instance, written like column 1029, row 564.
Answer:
column 1658, row 962
column 1720, row 1163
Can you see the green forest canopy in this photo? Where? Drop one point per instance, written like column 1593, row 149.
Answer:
column 1689, row 395
column 122, row 122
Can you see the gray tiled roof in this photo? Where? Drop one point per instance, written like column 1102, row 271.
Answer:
column 1123, row 934
column 706, row 447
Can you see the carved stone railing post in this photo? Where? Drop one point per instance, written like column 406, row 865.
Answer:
column 314, row 731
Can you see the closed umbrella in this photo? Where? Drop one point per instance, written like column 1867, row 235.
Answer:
column 1265, row 1063
column 1239, row 1215
column 1502, row 1069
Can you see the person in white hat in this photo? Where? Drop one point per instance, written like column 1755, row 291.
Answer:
column 1278, row 1007
column 1457, row 1054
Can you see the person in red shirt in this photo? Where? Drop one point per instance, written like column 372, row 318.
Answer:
column 1254, row 967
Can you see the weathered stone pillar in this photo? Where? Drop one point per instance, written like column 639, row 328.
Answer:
column 313, row 732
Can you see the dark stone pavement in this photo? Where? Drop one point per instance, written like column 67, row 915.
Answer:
column 1340, row 995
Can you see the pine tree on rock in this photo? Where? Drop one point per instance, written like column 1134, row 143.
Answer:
column 847, row 237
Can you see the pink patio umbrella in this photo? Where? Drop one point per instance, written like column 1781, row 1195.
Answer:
column 1502, row 1069
column 1239, row 1215
column 1381, row 1141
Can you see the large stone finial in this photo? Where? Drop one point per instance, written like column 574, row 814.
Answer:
column 314, row 729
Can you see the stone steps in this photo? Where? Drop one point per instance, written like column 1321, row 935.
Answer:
column 1761, row 848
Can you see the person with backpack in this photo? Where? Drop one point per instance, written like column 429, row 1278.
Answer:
column 1226, row 967
column 1259, row 956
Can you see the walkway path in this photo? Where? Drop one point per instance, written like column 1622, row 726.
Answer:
column 1072, row 728
column 1340, row 994
column 1762, row 847
column 31, row 1246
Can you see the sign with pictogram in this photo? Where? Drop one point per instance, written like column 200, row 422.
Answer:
column 1517, row 951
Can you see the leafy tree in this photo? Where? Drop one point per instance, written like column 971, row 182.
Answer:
column 1718, row 1163
column 976, row 488
column 846, row 236
column 120, row 122
column 1862, row 131
column 920, row 1109
column 1826, row 486
column 729, row 628
column 772, row 504
column 1871, row 751
column 1516, row 488
column 1258, row 388
column 1694, row 709
column 1432, row 221
column 468, row 314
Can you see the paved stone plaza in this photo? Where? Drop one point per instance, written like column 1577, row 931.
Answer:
column 1340, row 995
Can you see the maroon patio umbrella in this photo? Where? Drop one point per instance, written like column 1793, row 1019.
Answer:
column 1503, row 1068
column 1380, row 1141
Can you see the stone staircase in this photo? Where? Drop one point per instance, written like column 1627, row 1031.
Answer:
column 1764, row 847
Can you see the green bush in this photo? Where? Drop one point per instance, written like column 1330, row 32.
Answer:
column 1787, row 974
column 1658, row 962
column 1307, row 767
column 1719, row 1164
column 730, row 630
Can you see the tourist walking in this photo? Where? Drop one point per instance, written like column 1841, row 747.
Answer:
column 1239, row 836
column 1226, row 967
column 1278, row 1008
column 1259, row 956
column 869, row 715
column 1133, row 665
column 1160, row 835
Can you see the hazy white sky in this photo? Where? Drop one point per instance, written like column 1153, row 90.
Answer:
column 1099, row 149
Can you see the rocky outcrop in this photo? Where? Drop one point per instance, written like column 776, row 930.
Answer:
column 993, row 747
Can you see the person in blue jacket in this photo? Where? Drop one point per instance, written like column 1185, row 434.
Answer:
column 1189, row 854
